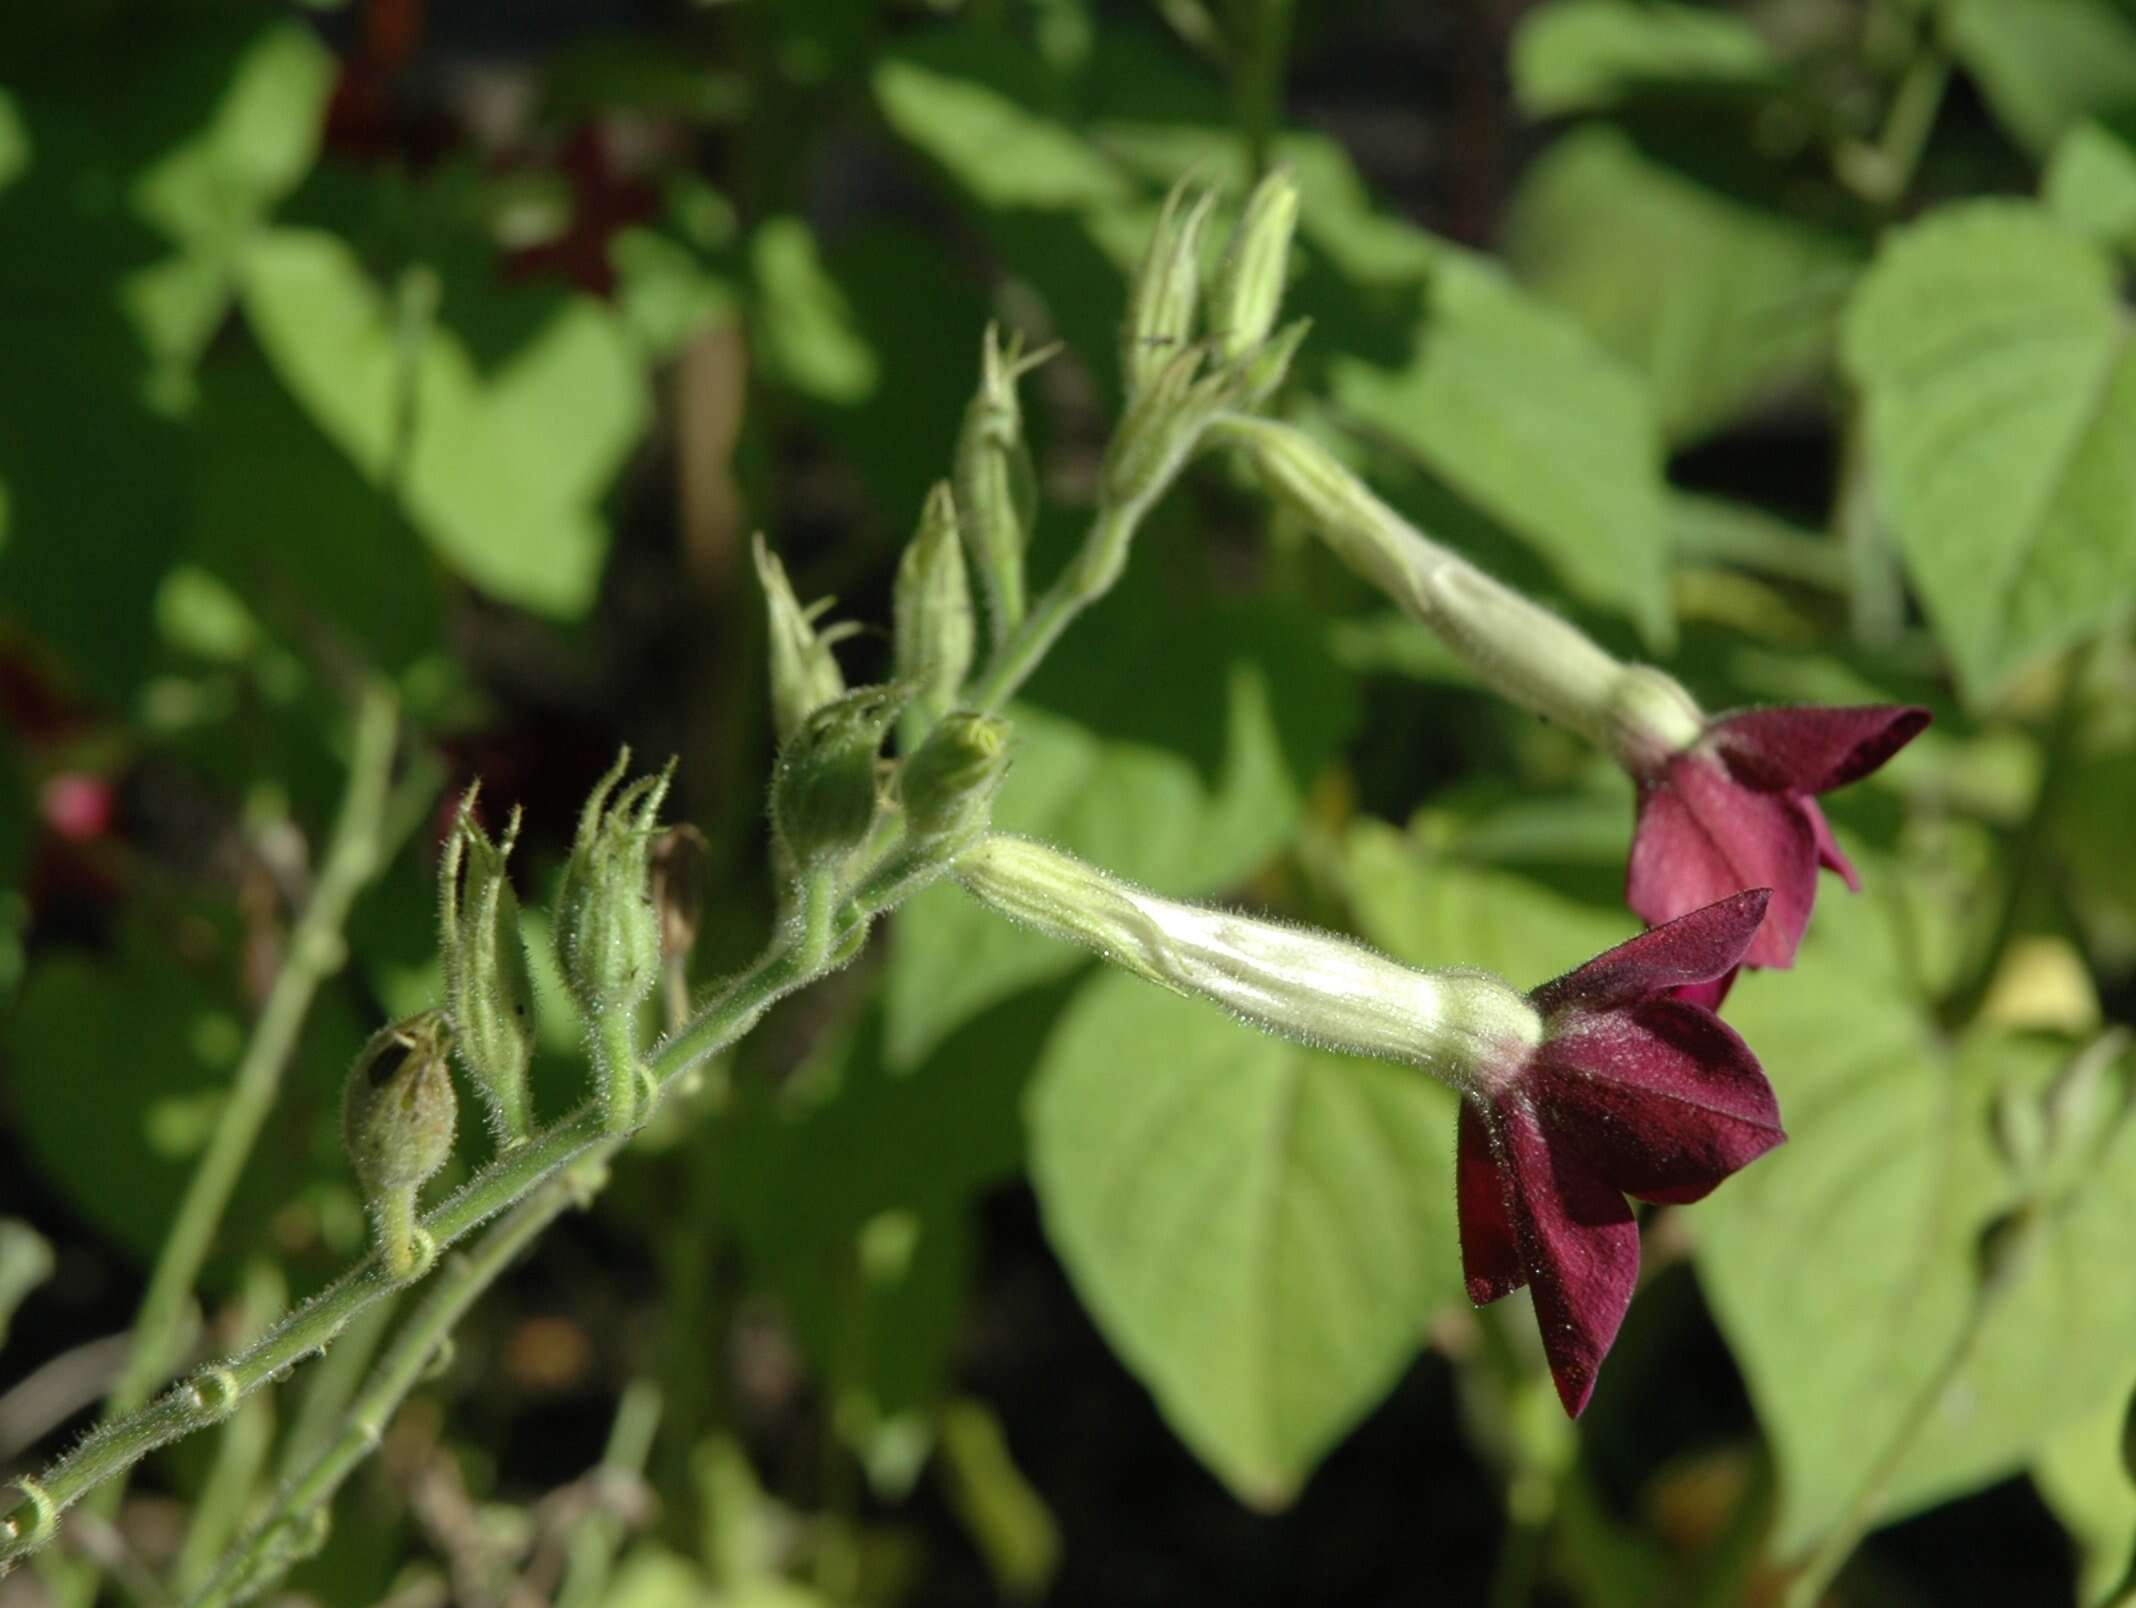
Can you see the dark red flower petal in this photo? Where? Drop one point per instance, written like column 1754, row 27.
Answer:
column 1709, row 995
column 1579, row 1243
column 1696, row 948
column 1702, row 836
column 1810, row 749
column 1490, row 1249
column 1829, row 853
column 1662, row 1099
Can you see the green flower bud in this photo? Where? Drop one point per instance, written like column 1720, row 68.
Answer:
column 804, row 671
column 1262, row 369
column 397, row 1117
column 487, row 986
column 996, row 486
column 948, row 786
column 933, row 607
column 824, row 794
column 607, row 933
column 1161, row 301
column 1250, row 282
column 1163, row 426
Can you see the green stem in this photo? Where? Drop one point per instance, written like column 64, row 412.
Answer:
column 616, row 1046
column 333, row 1387
column 594, row 1542
column 1260, row 48
column 353, row 857
column 1088, row 577
column 241, row 1456
column 281, row 1538
column 2031, row 842
column 515, row 1175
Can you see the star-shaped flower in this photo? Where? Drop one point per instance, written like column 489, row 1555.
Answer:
column 1630, row 1090
column 1735, row 809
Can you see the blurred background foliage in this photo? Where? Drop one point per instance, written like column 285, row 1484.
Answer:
column 1784, row 342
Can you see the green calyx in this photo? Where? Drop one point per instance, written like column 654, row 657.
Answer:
column 935, row 629
column 996, row 485
column 1249, row 286
column 1166, row 292
column 607, row 932
column 488, row 988
column 804, row 672
column 948, row 785
column 824, row 795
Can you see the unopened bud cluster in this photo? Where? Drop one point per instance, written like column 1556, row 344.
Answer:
column 488, row 990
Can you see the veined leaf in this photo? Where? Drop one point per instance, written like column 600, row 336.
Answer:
column 2001, row 384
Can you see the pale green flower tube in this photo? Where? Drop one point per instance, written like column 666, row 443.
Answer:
column 1460, row 1026
column 1517, row 648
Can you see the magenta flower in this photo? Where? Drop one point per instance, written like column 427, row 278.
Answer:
column 1735, row 810
column 1629, row 1092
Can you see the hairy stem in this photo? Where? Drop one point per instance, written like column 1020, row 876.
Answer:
column 213, row 1393
column 281, row 1538
column 1088, row 577
column 354, row 855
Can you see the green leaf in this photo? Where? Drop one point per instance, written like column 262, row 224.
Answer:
column 1425, row 900
column 1844, row 1268
column 1585, row 55
column 1992, row 348
column 1261, row 1230
column 802, row 319
column 2046, row 65
column 2084, row 1476
column 2090, row 185
column 1185, row 784
column 506, row 461
column 117, row 1071
column 1508, row 402
column 1724, row 303
column 1006, row 154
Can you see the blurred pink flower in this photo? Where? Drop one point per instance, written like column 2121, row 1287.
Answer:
column 1735, row 810
column 1630, row 1091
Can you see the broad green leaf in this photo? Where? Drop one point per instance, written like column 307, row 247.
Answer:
column 1844, row 1267
column 1723, row 304
column 2084, row 1476
column 2046, row 65
column 802, row 320
column 1185, row 784
column 1582, row 55
column 116, row 1070
column 506, row 465
column 1006, row 154
column 1261, row 1230
column 1509, row 403
column 1992, row 348
column 2090, row 185
column 1424, row 900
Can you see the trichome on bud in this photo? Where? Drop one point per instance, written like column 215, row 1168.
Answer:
column 487, row 986
column 398, row 1113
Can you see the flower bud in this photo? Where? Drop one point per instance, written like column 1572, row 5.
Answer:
column 397, row 1118
column 1163, row 425
column 1262, row 369
column 1161, row 301
column 1311, row 986
column 607, row 934
column 1250, row 282
column 933, row 609
column 948, row 786
column 804, row 672
column 487, row 986
column 823, row 795
column 996, row 486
